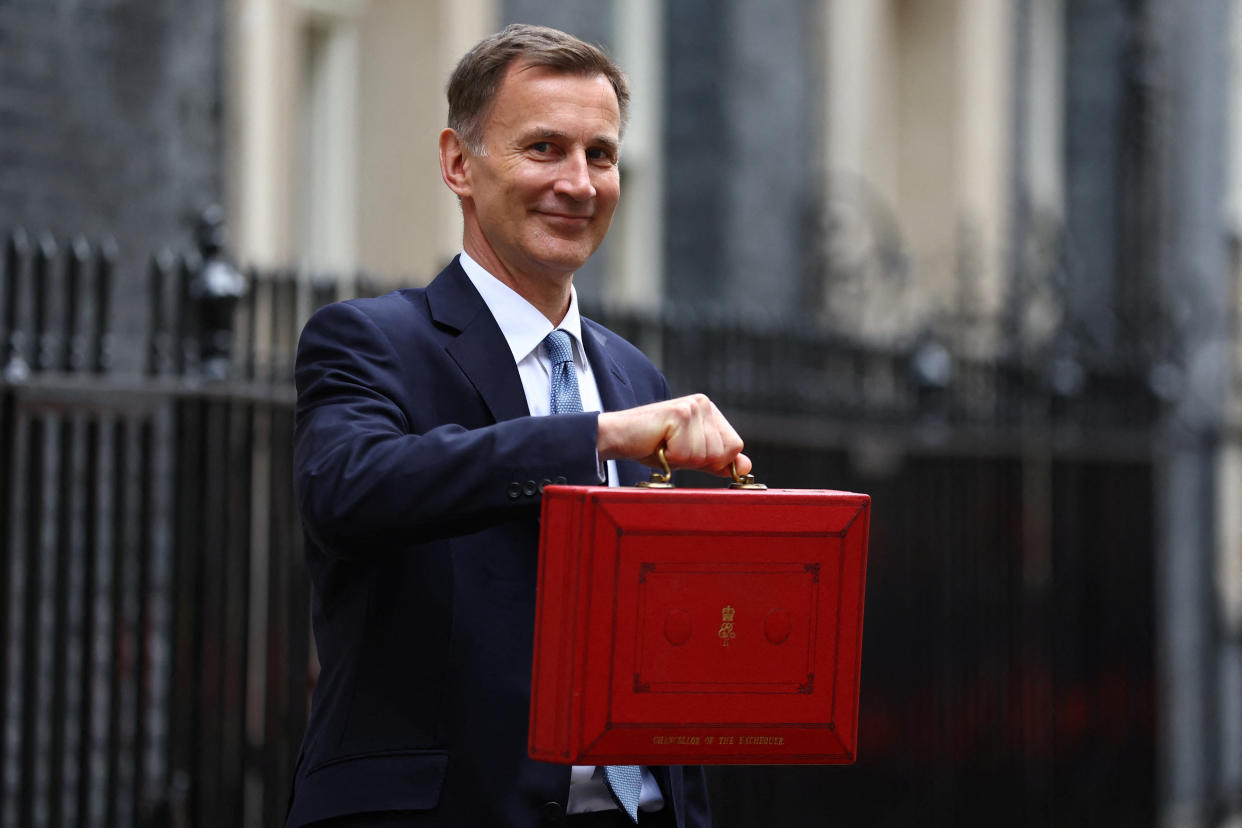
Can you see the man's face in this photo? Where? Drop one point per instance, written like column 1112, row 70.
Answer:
column 544, row 191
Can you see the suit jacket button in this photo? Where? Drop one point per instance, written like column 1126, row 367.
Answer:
column 552, row 813
column 543, row 484
column 530, row 489
column 560, row 481
column 515, row 489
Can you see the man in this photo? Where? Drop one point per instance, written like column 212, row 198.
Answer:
column 424, row 436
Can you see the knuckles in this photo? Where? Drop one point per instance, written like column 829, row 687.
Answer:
column 691, row 408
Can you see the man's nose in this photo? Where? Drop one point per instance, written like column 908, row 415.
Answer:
column 575, row 177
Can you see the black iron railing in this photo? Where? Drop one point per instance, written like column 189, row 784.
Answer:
column 157, row 658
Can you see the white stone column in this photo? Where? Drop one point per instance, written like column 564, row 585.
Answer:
column 327, row 167
column 984, row 50
column 636, row 272
column 258, row 131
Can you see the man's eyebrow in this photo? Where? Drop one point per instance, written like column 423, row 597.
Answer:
column 542, row 132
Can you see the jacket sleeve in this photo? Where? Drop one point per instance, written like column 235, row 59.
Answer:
column 378, row 459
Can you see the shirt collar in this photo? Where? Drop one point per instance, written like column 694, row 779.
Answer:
column 523, row 326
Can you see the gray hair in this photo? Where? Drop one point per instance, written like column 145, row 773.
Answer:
column 476, row 81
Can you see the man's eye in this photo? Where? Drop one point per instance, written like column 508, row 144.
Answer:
column 601, row 155
column 541, row 146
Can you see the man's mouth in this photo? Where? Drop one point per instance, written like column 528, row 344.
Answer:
column 554, row 214
column 569, row 221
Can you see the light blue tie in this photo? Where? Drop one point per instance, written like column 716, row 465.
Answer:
column 626, row 781
column 565, row 398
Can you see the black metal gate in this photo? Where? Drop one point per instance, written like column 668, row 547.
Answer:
column 157, row 656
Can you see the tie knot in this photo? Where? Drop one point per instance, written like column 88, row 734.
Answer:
column 560, row 349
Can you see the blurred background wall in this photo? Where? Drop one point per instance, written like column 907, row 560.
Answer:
column 113, row 122
column 992, row 244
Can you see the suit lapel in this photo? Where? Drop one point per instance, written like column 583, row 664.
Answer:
column 479, row 348
column 615, row 391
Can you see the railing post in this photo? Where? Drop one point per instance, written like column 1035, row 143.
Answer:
column 161, row 343
column 101, row 336
column 931, row 374
column 16, row 255
column 73, row 357
column 41, row 336
column 215, row 292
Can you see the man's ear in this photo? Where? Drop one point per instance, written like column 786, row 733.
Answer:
column 454, row 163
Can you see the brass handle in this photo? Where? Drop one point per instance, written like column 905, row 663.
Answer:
column 664, row 480
column 658, row 480
column 743, row 481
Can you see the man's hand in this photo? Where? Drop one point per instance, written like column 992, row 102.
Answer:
column 694, row 433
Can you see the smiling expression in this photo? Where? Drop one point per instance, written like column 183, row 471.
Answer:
column 539, row 199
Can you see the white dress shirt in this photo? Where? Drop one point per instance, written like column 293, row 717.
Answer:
column 524, row 328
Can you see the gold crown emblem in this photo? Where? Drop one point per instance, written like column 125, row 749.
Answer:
column 727, row 613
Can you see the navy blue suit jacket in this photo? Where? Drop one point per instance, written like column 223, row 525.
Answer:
column 418, row 474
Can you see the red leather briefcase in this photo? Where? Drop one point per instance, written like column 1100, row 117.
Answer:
column 718, row 626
